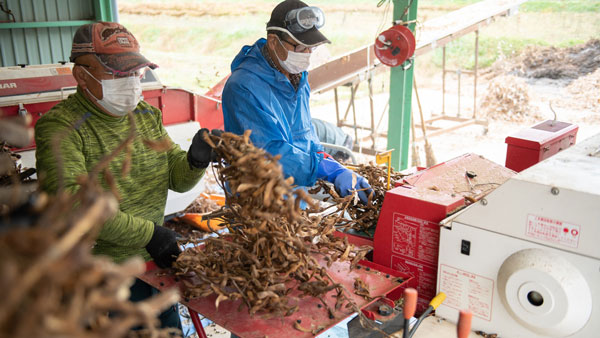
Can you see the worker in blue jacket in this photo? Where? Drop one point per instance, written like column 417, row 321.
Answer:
column 268, row 92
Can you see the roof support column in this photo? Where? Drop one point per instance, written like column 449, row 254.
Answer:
column 105, row 10
column 401, row 94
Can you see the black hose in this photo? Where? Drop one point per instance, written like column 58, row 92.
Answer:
column 421, row 318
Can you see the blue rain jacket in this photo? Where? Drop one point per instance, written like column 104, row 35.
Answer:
column 260, row 98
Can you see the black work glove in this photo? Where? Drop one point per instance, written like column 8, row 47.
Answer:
column 200, row 153
column 163, row 247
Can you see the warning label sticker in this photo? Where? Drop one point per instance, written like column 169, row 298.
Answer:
column 424, row 277
column 415, row 238
column 552, row 230
column 465, row 290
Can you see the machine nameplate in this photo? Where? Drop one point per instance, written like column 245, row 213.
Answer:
column 553, row 230
column 466, row 290
column 8, row 85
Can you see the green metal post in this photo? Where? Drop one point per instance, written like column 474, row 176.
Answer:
column 104, row 10
column 401, row 95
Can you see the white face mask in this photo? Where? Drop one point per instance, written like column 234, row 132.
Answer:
column 296, row 62
column 120, row 95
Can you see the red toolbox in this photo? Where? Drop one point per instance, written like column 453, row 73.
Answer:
column 532, row 145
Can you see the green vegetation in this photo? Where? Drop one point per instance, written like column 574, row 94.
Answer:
column 554, row 6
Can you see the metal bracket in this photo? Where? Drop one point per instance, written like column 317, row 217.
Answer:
column 408, row 63
column 22, row 110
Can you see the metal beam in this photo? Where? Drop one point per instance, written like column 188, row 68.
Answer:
column 401, row 94
column 43, row 24
column 104, row 10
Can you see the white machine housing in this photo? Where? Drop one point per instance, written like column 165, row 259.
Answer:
column 526, row 258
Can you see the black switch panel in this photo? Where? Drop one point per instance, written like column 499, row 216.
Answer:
column 465, row 247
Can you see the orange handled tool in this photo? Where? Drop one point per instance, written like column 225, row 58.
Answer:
column 202, row 222
column 463, row 328
column 219, row 199
column 410, row 305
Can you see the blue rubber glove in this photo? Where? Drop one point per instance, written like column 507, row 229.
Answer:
column 341, row 177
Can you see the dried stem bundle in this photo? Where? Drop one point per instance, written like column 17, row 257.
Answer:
column 362, row 217
column 271, row 245
column 202, row 205
column 50, row 283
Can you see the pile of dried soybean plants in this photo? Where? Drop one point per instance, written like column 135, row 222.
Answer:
column 271, row 245
column 361, row 217
column 50, row 284
column 507, row 98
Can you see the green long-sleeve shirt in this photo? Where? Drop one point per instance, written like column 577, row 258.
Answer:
column 143, row 191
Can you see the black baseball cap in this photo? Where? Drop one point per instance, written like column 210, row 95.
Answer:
column 311, row 37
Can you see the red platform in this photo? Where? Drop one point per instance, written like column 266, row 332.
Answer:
column 311, row 314
column 34, row 90
column 408, row 230
column 532, row 145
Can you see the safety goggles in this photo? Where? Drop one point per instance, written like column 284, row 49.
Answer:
column 300, row 20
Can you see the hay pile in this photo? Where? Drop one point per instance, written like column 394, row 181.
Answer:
column 586, row 91
column 507, row 98
column 552, row 62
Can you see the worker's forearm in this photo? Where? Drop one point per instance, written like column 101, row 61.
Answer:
column 126, row 230
column 182, row 177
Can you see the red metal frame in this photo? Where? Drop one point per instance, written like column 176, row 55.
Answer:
column 233, row 316
column 177, row 105
column 355, row 239
column 197, row 323
column 408, row 230
column 62, row 78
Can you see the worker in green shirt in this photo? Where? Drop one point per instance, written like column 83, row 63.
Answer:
column 92, row 123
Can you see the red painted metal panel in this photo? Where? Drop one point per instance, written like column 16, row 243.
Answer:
column 234, row 316
column 217, row 90
column 36, row 85
column 209, row 113
column 355, row 239
column 36, row 110
column 532, row 145
column 408, row 231
column 31, row 80
column 407, row 238
column 177, row 105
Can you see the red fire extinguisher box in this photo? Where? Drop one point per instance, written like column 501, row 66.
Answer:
column 532, row 145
